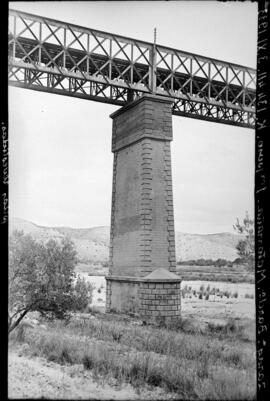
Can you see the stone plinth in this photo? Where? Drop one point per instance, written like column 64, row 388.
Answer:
column 155, row 297
column 122, row 294
column 160, row 297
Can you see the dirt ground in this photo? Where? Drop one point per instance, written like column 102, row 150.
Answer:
column 38, row 378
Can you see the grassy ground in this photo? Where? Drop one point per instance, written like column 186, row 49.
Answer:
column 214, row 362
column 235, row 274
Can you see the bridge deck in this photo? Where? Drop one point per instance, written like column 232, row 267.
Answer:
column 57, row 57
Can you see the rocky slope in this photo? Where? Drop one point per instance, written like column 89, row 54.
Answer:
column 92, row 244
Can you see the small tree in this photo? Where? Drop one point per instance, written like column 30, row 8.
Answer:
column 41, row 278
column 83, row 292
column 246, row 246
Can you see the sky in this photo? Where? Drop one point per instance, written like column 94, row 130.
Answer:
column 60, row 160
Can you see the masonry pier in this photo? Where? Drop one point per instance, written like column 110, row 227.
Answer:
column 142, row 261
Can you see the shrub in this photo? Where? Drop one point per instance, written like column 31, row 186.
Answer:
column 87, row 361
column 230, row 327
column 246, row 247
column 238, row 261
column 105, row 264
column 82, row 294
column 41, row 278
column 220, row 263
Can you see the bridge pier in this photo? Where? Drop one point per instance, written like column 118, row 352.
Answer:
column 142, row 238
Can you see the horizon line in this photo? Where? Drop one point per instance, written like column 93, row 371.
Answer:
column 90, row 227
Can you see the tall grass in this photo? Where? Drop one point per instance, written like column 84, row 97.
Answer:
column 192, row 366
column 205, row 293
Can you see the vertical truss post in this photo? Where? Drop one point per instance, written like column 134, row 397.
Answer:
column 153, row 69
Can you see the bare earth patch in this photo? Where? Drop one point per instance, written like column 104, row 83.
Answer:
column 38, row 378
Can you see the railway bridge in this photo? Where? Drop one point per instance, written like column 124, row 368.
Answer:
column 151, row 83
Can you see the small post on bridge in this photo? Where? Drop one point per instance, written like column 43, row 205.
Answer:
column 153, row 58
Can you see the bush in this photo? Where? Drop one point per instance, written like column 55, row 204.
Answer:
column 249, row 296
column 238, row 261
column 220, row 263
column 246, row 246
column 230, row 327
column 82, row 293
column 116, row 334
column 41, row 278
column 105, row 264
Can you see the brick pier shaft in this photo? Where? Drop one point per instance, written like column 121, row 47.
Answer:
column 142, row 237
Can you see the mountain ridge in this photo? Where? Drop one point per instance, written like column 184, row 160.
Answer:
column 92, row 244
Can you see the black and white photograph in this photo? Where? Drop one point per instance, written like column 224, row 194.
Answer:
column 131, row 244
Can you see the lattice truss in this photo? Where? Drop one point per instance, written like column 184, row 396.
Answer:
column 62, row 58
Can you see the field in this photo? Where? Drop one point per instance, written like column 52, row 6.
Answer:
column 212, row 300
column 234, row 274
column 209, row 354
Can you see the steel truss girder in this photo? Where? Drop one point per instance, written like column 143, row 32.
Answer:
column 56, row 57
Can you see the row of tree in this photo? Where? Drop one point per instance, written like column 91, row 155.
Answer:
column 210, row 262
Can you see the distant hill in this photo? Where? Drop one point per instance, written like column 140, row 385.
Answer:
column 92, row 244
column 206, row 246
